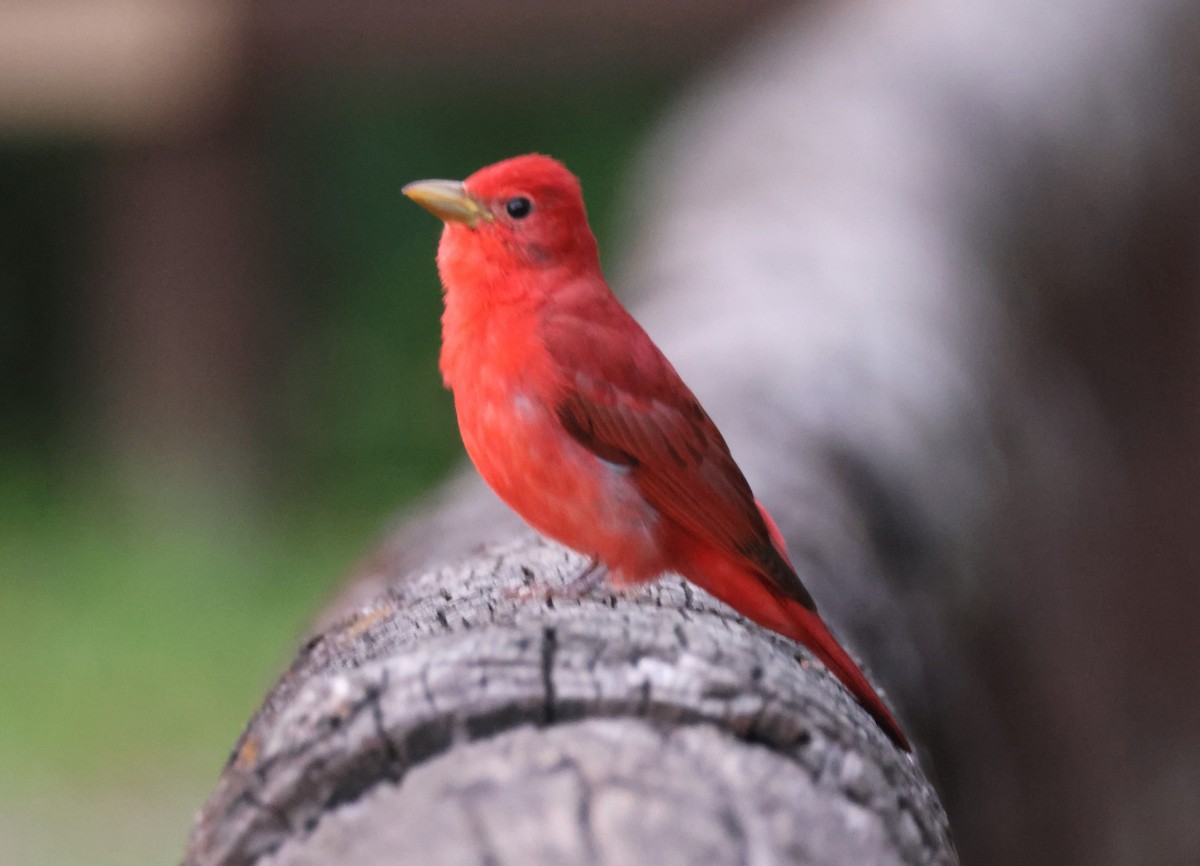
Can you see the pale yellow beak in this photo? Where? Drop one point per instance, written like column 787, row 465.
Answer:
column 447, row 200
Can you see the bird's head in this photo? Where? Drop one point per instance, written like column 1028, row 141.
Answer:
column 522, row 214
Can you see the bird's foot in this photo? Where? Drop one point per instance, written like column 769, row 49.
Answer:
column 585, row 582
column 576, row 587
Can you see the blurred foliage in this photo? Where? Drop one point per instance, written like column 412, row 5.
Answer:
column 138, row 633
column 42, row 243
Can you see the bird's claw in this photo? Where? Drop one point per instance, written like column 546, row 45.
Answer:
column 585, row 582
column 576, row 588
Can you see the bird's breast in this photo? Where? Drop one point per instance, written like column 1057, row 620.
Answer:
column 515, row 440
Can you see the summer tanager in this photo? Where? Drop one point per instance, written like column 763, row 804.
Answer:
column 577, row 420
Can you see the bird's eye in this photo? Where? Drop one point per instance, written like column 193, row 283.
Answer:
column 519, row 207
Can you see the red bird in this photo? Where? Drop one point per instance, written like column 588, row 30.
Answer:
column 577, row 420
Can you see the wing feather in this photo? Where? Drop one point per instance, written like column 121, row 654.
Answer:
column 625, row 403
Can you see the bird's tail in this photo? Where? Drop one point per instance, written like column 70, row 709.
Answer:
column 814, row 634
column 810, row 630
column 737, row 584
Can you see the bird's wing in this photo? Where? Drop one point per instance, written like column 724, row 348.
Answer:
column 621, row 399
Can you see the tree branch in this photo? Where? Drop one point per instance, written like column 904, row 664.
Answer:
column 468, row 716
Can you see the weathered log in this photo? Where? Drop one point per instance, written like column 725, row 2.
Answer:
column 467, row 716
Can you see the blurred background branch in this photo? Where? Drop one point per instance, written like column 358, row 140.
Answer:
column 118, row 69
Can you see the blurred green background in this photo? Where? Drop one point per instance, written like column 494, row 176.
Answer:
column 218, row 336
column 141, row 622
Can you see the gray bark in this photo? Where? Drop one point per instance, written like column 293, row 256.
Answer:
column 472, row 715
column 868, row 242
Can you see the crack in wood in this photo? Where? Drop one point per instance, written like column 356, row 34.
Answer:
column 549, row 649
